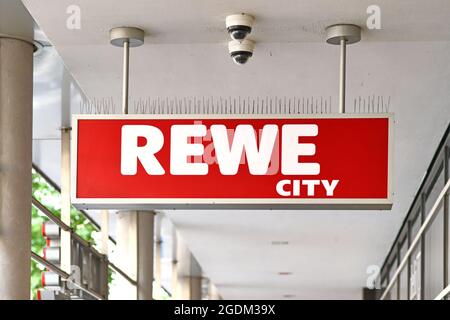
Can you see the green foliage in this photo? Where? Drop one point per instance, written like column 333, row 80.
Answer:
column 51, row 199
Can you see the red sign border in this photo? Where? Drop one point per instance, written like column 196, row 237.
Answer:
column 230, row 203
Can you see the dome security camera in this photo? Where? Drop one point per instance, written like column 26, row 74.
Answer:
column 239, row 25
column 241, row 51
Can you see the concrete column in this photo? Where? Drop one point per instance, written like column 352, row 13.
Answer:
column 174, row 276
column 187, row 274
column 16, row 100
column 182, row 288
column 135, row 249
column 174, row 282
column 145, row 255
column 158, row 250
column 104, row 228
column 195, row 288
column 66, row 205
column 126, row 252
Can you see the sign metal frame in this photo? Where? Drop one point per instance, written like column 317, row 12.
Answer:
column 232, row 203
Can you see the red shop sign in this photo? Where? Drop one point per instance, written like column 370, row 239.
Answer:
column 232, row 161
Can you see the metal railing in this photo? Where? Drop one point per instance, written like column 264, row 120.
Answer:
column 37, row 258
column 418, row 238
column 80, row 251
column 38, row 205
column 80, row 240
column 122, row 273
column 443, row 294
column 417, row 265
column 58, row 189
column 77, row 241
column 63, row 226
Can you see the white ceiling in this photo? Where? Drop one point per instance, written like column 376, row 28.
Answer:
column 202, row 21
column 185, row 55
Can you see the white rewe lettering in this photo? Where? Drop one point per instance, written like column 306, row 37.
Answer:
column 131, row 152
column 229, row 149
column 244, row 140
column 292, row 149
column 180, row 150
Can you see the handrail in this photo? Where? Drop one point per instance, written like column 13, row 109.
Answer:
column 441, row 145
column 49, row 265
column 443, row 293
column 46, row 178
column 64, row 226
column 49, row 214
column 166, row 291
column 62, row 274
column 122, row 273
column 427, row 221
column 57, row 188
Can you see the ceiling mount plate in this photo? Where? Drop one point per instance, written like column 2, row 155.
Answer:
column 134, row 36
column 350, row 32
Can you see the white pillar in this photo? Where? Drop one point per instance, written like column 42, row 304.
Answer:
column 182, row 289
column 16, row 94
column 104, row 229
column 135, row 250
column 174, row 282
column 158, row 249
column 16, row 99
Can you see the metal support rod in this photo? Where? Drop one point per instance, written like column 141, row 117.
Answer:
column 126, row 37
column 126, row 66
column 343, row 34
column 342, row 67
